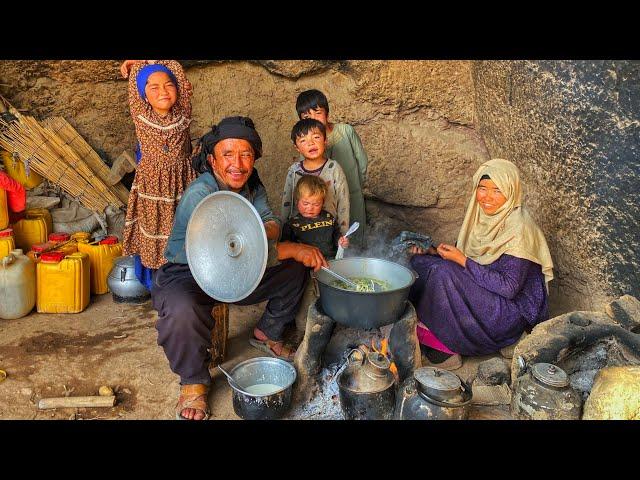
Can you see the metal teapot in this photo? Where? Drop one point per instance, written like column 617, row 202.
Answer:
column 433, row 394
column 123, row 283
column 366, row 387
column 543, row 393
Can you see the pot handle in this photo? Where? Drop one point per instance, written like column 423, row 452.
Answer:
column 348, row 361
column 123, row 274
column 360, row 360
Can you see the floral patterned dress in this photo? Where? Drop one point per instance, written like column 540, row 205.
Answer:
column 163, row 173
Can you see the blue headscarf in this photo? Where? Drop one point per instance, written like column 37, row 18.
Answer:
column 146, row 71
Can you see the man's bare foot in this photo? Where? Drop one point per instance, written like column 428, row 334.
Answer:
column 192, row 402
column 280, row 350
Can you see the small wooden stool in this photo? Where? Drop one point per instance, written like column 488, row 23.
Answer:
column 219, row 334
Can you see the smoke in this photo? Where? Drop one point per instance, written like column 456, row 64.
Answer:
column 389, row 245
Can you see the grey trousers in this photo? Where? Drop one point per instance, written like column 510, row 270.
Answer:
column 185, row 321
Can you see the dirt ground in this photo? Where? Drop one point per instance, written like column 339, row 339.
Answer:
column 55, row 355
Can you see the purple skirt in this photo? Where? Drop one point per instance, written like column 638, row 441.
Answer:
column 466, row 317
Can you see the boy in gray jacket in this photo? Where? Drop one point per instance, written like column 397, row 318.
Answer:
column 309, row 138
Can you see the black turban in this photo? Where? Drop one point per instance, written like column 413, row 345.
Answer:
column 230, row 127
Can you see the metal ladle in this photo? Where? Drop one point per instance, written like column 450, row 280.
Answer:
column 341, row 278
column 232, row 381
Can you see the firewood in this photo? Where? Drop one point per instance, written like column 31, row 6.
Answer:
column 77, row 402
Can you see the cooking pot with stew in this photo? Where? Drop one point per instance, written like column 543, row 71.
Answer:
column 365, row 308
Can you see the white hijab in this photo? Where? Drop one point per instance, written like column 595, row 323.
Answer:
column 511, row 230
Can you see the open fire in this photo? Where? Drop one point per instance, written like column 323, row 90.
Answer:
column 383, row 350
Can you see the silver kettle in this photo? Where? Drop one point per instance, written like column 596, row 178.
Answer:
column 543, row 392
column 123, row 283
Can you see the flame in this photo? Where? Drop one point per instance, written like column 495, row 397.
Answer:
column 384, row 347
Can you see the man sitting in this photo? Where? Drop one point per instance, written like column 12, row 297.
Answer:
column 184, row 324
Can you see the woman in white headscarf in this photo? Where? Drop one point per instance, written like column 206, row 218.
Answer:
column 481, row 296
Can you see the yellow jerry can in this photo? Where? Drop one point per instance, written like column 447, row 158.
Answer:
column 64, row 242
column 101, row 256
column 31, row 230
column 81, row 236
column 45, row 214
column 38, row 249
column 7, row 242
column 17, row 170
column 63, row 282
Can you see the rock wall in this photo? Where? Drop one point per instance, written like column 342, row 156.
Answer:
column 87, row 93
column 573, row 128
column 418, row 134
column 415, row 118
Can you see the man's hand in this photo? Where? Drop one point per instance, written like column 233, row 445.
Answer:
column 343, row 242
column 308, row 255
column 272, row 229
column 451, row 253
column 311, row 257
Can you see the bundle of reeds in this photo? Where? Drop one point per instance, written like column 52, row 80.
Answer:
column 76, row 161
column 69, row 134
column 54, row 160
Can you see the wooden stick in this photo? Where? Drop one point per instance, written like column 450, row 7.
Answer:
column 77, row 402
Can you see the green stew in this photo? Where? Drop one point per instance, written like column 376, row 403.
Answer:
column 364, row 284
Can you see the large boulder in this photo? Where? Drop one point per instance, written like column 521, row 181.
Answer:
column 615, row 395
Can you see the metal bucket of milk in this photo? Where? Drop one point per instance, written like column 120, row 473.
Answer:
column 266, row 385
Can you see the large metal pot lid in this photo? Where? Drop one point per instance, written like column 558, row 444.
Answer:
column 437, row 379
column 549, row 374
column 226, row 246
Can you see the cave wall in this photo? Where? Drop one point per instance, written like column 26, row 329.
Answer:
column 573, row 128
column 415, row 118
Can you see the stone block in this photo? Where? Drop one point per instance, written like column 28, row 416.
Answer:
column 626, row 312
column 494, row 371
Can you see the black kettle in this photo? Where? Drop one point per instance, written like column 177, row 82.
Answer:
column 433, row 394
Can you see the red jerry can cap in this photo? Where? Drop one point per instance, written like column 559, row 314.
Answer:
column 41, row 246
column 59, row 237
column 52, row 257
column 110, row 240
column 7, row 232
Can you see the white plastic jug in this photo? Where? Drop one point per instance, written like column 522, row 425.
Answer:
column 17, row 285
